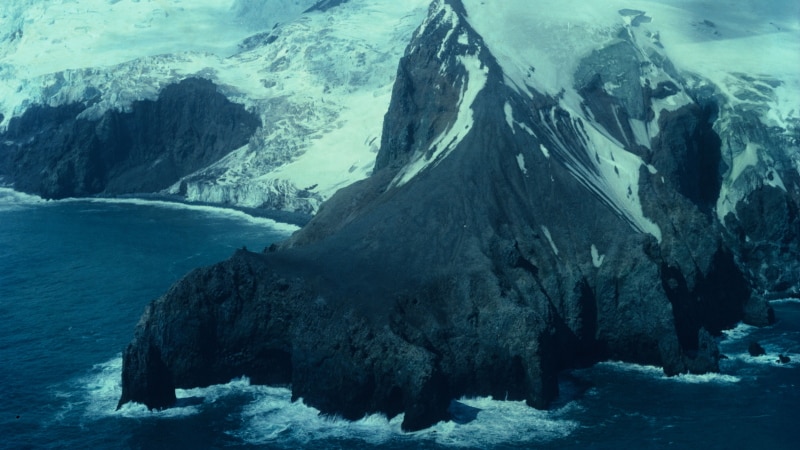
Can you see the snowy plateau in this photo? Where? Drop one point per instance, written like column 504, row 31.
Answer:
column 321, row 79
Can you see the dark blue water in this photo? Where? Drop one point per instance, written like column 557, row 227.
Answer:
column 75, row 277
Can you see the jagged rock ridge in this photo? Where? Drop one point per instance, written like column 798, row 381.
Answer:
column 501, row 238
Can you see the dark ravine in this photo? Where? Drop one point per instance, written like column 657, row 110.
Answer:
column 473, row 278
column 52, row 152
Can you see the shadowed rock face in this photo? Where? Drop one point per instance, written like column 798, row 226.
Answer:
column 51, row 152
column 484, row 274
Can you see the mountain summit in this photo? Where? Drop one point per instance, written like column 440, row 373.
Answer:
column 540, row 201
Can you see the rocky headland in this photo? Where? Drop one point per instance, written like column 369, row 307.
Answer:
column 501, row 239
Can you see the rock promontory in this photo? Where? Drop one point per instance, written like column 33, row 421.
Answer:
column 502, row 238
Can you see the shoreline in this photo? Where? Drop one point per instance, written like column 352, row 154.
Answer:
column 291, row 219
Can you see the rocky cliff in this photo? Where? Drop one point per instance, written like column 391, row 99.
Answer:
column 507, row 233
column 54, row 152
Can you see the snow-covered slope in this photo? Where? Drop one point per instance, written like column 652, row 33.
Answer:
column 320, row 80
column 745, row 52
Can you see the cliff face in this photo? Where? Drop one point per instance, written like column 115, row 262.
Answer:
column 55, row 153
column 504, row 236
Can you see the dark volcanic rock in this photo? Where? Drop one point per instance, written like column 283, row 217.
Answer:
column 755, row 349
column 50, row 151
column 477, row 260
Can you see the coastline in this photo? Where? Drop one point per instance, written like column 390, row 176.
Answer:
column 282, row 220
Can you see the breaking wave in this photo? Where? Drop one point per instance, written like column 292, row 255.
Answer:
column 479, row 423
column 658, row 373
column 11, row 200
column 267, row 415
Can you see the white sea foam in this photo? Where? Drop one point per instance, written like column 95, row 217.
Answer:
column 206, row 209
column 272, row 418
column 102, row 389
column 12, row 200
column 741, row 331
column 499, row 422
column 658, row 373
column 706, row 378
column 643, row 369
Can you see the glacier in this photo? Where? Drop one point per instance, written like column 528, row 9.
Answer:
column 321, row 120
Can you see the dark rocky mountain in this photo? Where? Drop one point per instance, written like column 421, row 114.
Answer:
column 54, row 152
column 501, row 238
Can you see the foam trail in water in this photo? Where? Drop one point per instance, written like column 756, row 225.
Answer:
column 706, row 378
column 735, row 345
column 658, row 373
column 12, row 200
column 770, row 359
column 213, row 210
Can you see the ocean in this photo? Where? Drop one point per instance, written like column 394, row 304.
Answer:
column 75, row 276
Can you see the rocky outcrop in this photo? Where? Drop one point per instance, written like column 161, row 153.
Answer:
column 496, row 243
column 55, row 153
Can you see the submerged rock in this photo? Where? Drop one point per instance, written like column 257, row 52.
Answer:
column 755, row 349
